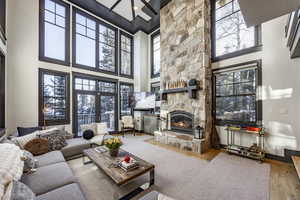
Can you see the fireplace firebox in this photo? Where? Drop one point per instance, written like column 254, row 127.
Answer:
column 182, row 122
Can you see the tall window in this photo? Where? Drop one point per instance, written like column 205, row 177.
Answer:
column 53, row 98
column 95, row 44
column 126, row 92
column 155, row 51
column 107, row 48
column 85, row 41
column 126, row 58
column 236, row 98
column 231, row 37
column 54, row 31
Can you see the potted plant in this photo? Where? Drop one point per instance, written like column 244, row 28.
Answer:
column 113, row 144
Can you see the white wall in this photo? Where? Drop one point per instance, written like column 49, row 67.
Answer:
column 280, row 90
column 141, row 64
column 23, row 64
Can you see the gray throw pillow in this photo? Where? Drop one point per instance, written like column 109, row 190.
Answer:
column 56, row 140
column 30, row 163
column 20, row 191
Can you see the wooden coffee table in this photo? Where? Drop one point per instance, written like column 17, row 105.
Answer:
column 108, row 164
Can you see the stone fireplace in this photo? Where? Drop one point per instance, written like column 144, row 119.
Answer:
column 185, row 55
column 181, row 121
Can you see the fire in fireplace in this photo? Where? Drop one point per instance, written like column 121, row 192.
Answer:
column 182, row 121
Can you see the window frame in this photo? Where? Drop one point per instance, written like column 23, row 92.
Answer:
column 97, row 41
column 97, row 93
column 153, row 86
column 3, row 20
column 120, row 104
column 64, row 121
column 42, row 56
column 258, row 104
column 257, row 37
column 153, row 36
column 122, row 33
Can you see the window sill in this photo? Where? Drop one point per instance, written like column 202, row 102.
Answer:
column 237, row 123
column 126, row 76
column 238, row 53
column 54, row 61
column 94, row 69
column 155, row 76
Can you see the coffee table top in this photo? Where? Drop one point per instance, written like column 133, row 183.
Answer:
column 108, row 164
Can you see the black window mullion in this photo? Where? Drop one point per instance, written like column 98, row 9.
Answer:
column 97, row 48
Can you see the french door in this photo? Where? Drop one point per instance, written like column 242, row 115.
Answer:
column 85, row 110
column 94, row 101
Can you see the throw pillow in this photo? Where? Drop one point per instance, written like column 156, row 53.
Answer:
column 30, row 163
column 88, row 134
column 46, row 131
column 22, row 141
column 55, row 139
column 18, row 191
column 91, row 126
column 37, row 146
column 27, row 130
column 101, row 129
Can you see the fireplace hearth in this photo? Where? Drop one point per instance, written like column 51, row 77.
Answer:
column 181, row 121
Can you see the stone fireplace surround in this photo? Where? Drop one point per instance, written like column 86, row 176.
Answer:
column 185, row 55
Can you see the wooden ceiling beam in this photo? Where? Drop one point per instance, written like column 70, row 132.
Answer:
column 149, row 6
column 115, row 4
column 133, row 10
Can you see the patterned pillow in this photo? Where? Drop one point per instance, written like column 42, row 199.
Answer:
column 55, row 139
column 18, row 191
column 22, row 141
column 30, row 163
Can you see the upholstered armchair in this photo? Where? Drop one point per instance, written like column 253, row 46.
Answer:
column 127, row 124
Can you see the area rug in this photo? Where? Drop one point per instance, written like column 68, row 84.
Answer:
column 183, row 177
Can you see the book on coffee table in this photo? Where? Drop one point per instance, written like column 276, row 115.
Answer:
column 128, row 166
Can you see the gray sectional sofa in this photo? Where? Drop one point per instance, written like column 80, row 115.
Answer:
column 54, row 179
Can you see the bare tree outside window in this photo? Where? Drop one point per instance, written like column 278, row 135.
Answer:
column 107, row 48
column 231, row 32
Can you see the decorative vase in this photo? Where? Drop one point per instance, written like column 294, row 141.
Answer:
column 114, row 152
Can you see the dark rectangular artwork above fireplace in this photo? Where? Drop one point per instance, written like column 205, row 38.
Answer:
column 182, row 122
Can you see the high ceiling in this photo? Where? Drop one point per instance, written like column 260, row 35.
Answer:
column 131, row 15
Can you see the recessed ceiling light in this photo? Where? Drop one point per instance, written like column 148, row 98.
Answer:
column 135, row 8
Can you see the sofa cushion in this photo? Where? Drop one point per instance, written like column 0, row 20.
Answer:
column 49, row 177
column 18, row 191
column 50, row 158
column 67, row 192
column 75, row 146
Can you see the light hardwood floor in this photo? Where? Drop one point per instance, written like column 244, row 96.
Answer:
column 285, row 184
